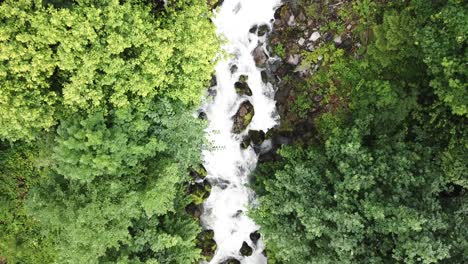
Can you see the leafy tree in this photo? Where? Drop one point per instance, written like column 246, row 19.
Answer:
column 383, row 179
column 114, row 83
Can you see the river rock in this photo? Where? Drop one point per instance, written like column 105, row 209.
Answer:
column 264, row 75
column 245, row 142
column 243, row 117
column 199, row 191
column 260, row 57
column 233, row 69
column 253, row 29
column 262, row 30
column 255, row 236
column 221, row 183
column 245, row 250
column 256, row 136
column 231, row 261
column 198, row 172
column 242, row 87
column 194, row 210
column 315, row 36
column 213, row 81
column 207, row 244
column 202, row 115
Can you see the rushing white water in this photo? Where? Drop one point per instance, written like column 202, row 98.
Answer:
column 227, row 163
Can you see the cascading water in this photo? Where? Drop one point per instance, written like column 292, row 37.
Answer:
column 228, row 165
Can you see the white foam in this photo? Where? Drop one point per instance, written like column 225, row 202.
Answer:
column 227, row 160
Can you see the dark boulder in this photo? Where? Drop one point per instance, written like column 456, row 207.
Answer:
column 213, row 81
column 194, row 210
column 202, row 116
column 207, row 244
column 231, row 261
column 199, row 191
column 257, row 136
column 243, row 117
column 253, row 29
column 264, row 75
column 262, row 30
column 255, row 236
column 234, row 69
column 198, row 172
column 242, row 87
column 246, row 250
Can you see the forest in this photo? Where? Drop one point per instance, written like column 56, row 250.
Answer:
column 98, row 137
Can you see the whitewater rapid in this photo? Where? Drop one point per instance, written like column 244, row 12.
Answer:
column 227, row 164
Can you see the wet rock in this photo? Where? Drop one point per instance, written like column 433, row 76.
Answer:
column 194, row 210
column 242, row 87
column 315, row 36
column 212, row 92
column 243, row 117
column 221, row 183
column 255, row 236
column 199, row 191
column 264, row 76
column 213, row 81
column 207, row 244
column 245, row 142
column 231, row 261
column 233, row 69
column 256, row 136
column 245, row 250
column 260, row 57
column 253, row 29
column 262, row 30
column 294, row 59
column 202, row 116
column 198, row 172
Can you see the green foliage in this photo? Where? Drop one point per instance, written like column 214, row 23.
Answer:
column 60, row 61
column 280, row 51
column 384, row 177
column 349, row 201
column 114, row 84
column 444, row 43
column 21, row 238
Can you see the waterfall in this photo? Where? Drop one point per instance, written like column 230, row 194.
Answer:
column 228, row 165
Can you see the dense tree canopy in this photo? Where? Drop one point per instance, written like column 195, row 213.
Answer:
column 105, row 91
column 384, row 177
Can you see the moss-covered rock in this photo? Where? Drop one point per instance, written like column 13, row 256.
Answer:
column 242, row 87
column 198, row 172
column 243, row 117
column 194, row 210
column 199, row 191
column 262, row 30
column 207, row 244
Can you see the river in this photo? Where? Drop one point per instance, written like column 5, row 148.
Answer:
column 227, row 163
